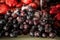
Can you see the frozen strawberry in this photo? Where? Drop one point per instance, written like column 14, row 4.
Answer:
column 3, row 8
column 11, row 3
column 19, row 5
column 33, row 5
column 26, row 1
column 58, row 6
column 57, row 16
column 53, row 10
column 37, row 2
column 2, row 1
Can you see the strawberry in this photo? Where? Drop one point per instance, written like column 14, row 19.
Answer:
column 33, row 5
column 2, row 1
column 57, row 16
column 26, row 1
column 11, row 3
column 19, row 5
column 3, row 9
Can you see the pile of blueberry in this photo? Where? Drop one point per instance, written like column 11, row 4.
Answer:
column 27, row 21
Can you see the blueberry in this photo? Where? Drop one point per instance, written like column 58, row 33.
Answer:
column 52, row 35
column 36, row 34
column 44, row 35
column 31, row 34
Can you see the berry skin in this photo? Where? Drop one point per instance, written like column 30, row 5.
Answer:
column 52, row 35
column 33, row 5
column 44, row 35
column 2, row 1
column 11, row 3
column 58, row 6
column 3, row 8
column 36, row 34
column 57, row 16
column 31, row 34
column 26, row 1
column 19, row 5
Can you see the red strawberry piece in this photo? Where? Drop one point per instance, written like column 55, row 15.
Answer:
column 19, row 5
column 33, row 5
column 37, row 2
column 11, row 3
column 58, row 6
column 57, row 16
column 53, row 11
column 2, row 1
column 26, row 1
column 3, row 8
